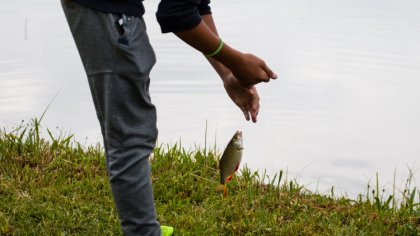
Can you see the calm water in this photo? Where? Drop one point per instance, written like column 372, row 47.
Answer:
column 345, row 106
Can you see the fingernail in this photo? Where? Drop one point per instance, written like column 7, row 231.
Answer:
column 274, row 76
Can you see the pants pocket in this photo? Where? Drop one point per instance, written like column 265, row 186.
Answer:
column 135, row 54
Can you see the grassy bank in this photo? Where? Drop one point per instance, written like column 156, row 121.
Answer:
column 55, row 186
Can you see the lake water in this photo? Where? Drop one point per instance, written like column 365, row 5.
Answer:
column 345, row 107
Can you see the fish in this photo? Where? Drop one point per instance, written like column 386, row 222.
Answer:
column 230, row 160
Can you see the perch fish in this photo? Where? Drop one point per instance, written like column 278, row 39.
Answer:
column 231, row 158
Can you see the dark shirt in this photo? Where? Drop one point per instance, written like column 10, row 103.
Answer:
column 172, row 15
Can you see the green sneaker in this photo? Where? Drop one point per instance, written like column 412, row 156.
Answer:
column 166, row 230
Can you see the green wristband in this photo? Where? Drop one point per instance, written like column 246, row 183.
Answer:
column 217, row 50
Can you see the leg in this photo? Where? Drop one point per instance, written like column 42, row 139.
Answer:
column 118, row 74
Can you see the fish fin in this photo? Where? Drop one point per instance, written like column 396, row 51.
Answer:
column 237, row 167
column 225, row 192
column 229, row 178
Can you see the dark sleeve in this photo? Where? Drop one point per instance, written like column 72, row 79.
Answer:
column 204, row 7
column 180, row 15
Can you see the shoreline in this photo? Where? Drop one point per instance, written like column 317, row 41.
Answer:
column 58, row 186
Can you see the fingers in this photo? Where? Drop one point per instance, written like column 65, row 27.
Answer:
column 251, row 70
column 255, row 101
column 246, row 98
column 252, row 107
column 255, row 105
column 245, row 110
column 254, row 114
column 269, row 72
column 250, row 113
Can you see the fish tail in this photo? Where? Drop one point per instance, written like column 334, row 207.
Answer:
column 225, row 192
column 222, row 188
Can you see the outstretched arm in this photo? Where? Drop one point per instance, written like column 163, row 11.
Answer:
column 247, row 68
column 239, row 71
column 247, row 99
column 183, row 18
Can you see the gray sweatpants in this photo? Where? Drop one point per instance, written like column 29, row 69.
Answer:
column 118, row 57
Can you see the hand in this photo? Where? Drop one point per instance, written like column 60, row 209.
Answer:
column 247, row 68
column 247, row 99
column 250, row 70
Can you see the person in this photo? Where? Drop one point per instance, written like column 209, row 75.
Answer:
column 114, row 47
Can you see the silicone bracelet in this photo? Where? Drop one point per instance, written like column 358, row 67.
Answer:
column 217, row 50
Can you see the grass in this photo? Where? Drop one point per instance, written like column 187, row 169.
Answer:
column 55, row 186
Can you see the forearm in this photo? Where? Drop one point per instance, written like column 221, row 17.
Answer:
column 218, row 67
column 183, row 20
column 204, row 38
